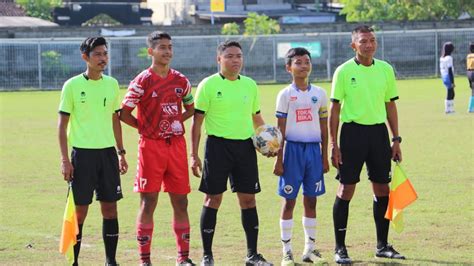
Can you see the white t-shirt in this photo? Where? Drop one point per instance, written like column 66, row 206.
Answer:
column 444, row 64
column 302, row 110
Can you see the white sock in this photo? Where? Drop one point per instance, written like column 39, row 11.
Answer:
column 286, row 228
column 451, row 106
column 447, row 105
column 309, row 226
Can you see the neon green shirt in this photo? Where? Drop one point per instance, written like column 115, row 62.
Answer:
column 228, row 106
column 363, row 91
column 90, row 104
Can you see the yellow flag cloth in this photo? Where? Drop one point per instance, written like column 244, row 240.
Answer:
column 401, row 195
column 70, row 229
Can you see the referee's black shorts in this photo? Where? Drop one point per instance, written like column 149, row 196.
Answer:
column 235, row 160
column 361, row 144
column 95, row 170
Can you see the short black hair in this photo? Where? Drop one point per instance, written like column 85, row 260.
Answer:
column 155, row 36
column 90, row 43
column 448, row 48
column 471, row 47
column 226, row 44
column 361, row 29
column 297, row 51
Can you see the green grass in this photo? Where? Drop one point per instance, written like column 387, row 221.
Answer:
column 438, row 157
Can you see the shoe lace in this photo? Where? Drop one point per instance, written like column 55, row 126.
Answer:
column 316, row 253
column 342, row 252
column 187, row 261
column 391, row 249
column 288, row 256
column 258, row 257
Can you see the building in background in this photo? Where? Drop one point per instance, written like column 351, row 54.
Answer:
column 127, row 12
column 171, row 12
column 12, row 15
column 285, row 11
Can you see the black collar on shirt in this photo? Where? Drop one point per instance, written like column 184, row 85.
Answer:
column 358, row 62
column 87, row 77
column 222, row 76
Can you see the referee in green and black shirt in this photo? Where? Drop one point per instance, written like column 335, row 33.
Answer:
column 89, row 122
column 229, row 105
column 363, row 98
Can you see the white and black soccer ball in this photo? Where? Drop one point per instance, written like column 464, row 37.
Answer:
column 267, row 139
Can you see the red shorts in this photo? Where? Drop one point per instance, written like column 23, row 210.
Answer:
column 162, row 161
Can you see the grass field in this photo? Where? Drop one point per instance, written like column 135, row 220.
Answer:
column 438, row 157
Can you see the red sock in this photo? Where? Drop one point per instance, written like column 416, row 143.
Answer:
column 181, row 233
column 144, row 236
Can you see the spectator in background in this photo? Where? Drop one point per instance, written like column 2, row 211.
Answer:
column 446, row 69
column 470, row 75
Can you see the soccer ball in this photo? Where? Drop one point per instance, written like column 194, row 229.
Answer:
column 267, row 139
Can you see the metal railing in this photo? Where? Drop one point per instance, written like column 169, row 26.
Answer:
column 46, row 64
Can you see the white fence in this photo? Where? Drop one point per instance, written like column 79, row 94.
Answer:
column 45, row 63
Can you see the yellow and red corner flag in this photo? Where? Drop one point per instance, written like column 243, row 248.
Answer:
column 70, row 229
column 401, row 195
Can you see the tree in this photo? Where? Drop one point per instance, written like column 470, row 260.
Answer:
column 467, row 6
column 102, row 20
column 39, row 8
column 380, row 10
column 53, row 66
column 230, row 29
column 256, row 24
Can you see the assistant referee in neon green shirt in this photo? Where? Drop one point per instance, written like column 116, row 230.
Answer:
column 229, row 104
column 363, row 98
column 88, row 121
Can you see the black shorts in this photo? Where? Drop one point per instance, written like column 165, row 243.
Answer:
column 235, row 160
column 95, row 170
column 361, row 144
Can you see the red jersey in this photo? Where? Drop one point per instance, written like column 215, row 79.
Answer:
column 159, row 101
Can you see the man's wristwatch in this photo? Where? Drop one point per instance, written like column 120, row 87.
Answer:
column 122, row 152
column 397, row 138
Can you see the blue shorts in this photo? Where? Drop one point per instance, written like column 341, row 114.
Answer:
column 447, row 82
column 302, row 165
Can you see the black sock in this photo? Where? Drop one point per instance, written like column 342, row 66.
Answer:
column 381, row 224
column 77, row 246
column 250, row 223
column 110, row 234
column 208, row 225
column 340, row 213
column 450, row 94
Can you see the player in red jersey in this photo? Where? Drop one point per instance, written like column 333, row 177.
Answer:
column 159, row 93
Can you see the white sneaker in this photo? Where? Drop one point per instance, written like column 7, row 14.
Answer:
column 288, row 259
column 313, row 256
